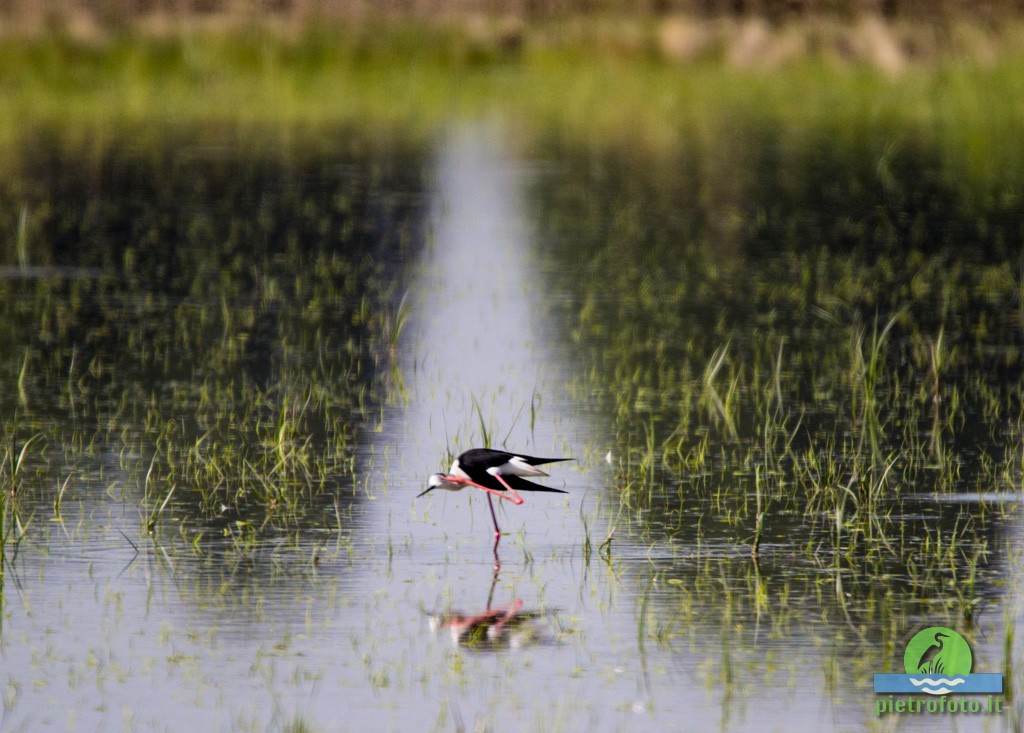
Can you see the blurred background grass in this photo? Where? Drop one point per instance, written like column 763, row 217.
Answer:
column 650, row 77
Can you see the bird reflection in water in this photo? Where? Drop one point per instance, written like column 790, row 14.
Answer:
column 507, row 626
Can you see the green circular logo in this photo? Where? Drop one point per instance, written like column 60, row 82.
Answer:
column 938, row 650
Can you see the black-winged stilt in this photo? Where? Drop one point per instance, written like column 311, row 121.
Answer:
column 497, row 472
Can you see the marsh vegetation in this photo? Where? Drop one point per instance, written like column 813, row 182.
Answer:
column 777, row 318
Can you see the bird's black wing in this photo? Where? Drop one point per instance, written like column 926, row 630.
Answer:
column 484, row 458
column 480, row 459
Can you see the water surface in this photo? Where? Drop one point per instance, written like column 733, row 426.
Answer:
column 234, row 371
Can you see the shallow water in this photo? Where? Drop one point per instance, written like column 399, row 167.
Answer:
column 230, row 607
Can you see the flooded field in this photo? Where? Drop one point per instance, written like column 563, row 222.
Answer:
column 790, row 379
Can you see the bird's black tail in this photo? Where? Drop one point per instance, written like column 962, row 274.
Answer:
column 518, row 483
column 534, row 461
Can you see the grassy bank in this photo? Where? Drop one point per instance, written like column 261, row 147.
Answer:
column 597, row 85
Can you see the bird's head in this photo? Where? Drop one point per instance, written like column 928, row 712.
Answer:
column 439, row 481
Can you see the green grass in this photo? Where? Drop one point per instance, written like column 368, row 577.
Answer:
column 409, row 82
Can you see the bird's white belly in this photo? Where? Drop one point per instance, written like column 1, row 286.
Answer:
column 516, row 466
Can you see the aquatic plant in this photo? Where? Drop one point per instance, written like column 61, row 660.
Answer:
column 811, row 392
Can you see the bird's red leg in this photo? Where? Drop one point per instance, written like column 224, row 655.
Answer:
column 497, row 535
column 514, row 497
column 490, row 504
column 494, row 518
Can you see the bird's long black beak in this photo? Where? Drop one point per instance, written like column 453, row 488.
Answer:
column 426, row 491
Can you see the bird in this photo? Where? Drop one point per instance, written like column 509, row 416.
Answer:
column 497, row 472
column 931, row 660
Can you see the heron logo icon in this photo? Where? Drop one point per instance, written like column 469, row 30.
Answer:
column 938, row 661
